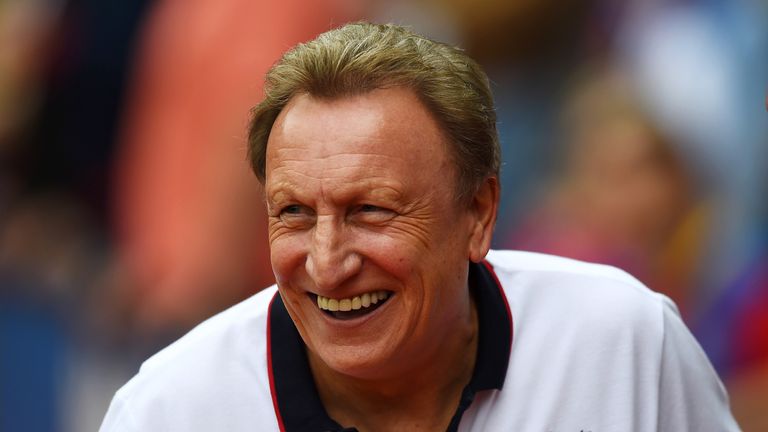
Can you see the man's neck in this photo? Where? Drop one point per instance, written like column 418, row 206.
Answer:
column 422, row 397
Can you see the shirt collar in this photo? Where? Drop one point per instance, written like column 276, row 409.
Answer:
column 294, row 395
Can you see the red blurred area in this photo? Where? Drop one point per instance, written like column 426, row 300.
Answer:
column 190, row 219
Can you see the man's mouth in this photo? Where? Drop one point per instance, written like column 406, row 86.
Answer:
column 352, row 307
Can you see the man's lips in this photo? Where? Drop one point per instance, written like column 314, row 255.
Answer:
column 352, row 307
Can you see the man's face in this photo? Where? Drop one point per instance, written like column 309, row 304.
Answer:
column 360, row 193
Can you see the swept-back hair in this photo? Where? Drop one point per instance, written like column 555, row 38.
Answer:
column 361, row 57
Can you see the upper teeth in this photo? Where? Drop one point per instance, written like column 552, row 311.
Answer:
column 353, row 303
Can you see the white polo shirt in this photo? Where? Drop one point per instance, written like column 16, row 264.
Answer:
column 563, row 346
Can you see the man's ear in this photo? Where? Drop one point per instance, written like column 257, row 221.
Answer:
column 483, row 208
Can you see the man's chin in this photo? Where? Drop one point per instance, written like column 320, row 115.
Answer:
column 362, row 362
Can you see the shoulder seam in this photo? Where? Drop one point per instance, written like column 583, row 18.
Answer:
column 614, row 274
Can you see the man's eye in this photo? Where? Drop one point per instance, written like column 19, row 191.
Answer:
column 370, row 213
column 292, row 209
column 296, row 216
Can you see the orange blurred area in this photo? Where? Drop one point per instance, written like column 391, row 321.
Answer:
column 633, row 134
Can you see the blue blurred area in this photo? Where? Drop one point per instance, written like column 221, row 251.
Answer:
column 34, row 344
column 64, row 70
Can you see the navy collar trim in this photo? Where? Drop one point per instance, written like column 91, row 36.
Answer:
column 295, row 397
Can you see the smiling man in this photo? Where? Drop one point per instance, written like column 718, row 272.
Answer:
column 371, row 250
column 379, row 156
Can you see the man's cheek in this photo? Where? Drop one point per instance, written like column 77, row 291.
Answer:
column 287, row 257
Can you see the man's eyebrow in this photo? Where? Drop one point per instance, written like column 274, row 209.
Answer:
column 367, row 189
column 281, row 192
column 386, row 192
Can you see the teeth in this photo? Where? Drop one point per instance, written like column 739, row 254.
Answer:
column 353, row 303
column 333, row 305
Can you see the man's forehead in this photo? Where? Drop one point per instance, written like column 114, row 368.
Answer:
column 383, row 140
column 379, row 124
column 304, row 107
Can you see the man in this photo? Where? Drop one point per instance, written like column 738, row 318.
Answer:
column 379, row 157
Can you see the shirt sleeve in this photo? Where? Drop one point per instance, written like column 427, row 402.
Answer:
column 691, row 396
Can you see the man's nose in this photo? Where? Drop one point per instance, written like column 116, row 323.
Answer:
column 331, row 259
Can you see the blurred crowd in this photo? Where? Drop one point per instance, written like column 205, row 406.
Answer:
column 633, row 133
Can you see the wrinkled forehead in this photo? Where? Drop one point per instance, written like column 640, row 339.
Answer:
column 384, row 127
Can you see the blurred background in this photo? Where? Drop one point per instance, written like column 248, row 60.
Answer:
column 634, row 133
